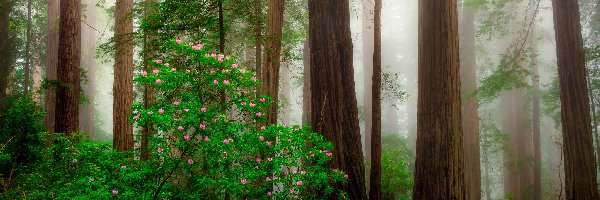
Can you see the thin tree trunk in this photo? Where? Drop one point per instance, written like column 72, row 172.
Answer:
column 286, row 92
column 375, row 174
column 306, row 98
column 51, row 63
column 367, row 59
column 258, row 37
column 27, row 68
column 439, row 163
column 36, row 78
column 221, row 29
column 334, row 108
column 5, row 62
column 86, row 117
column 123, row 79
column 580, row 165
column 148, row 92
column 270, row 79
column 470, row 116
column 69, row 56
column 537, row 154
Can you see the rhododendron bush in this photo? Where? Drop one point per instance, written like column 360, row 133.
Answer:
column 209, row 138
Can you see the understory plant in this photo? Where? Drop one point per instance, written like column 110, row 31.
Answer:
column 209, row 138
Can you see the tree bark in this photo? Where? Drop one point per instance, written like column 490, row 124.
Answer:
column 306, row 97
column 86, row 117
column 580, row 171
column 470, row 123
column 375, row 174
column 69, row 56
column 149, row 53
column 51, row 63
column 27, row 68
column 270, row 70
column 5, row 49
column 258, row 37
column 123, row 82
column 334, row 108
column 367, row 60
column 439, row 163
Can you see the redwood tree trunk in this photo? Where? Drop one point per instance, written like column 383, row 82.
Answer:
column 375, row 174
column 258, row 37
column 334, row 108
column 5, row 62
column 306, row 90
column 51, row 63
column 367, row 60
column 470, row 123
column 123, row 82
column 27, row 69
column 148, row 92
column 439, row 163
column 86, row 117
column 580, row 165
column 69, row 56
column 270, row 77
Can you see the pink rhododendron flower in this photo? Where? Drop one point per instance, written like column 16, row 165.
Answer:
column 216, row 82
column 150, row 112
column 226, row 141
column 156, row 71
column 234, row 65
column 243, row 71
column 329, row 154
column 220, row 60
column 175, row 119
column 335, row 170
column 253, row 78
column 186, row 137
column 91, row 180
column 159, row 61
column 213, row 55
column 187, row 71
column 243, row 103
column 203, row 109
column 259, row 114
column 261, row 138
column 292, row 190
column 262, row 100
column 303, row 172
column 73, row 153
column 115, row 192
column 161, row 111
column 245, row 92
column 158, row 81
column 159, row 150
column 180, row 128
column 262, row 128
column 178, row 41
column 346, row 176
column 144, row 73
column 186, row 110
column 225, row 82
column 190, row 161
column 176, row 103
column 136, row 117
column 252, row 105
column 299, row 183
column 268, row 179
column 268, row 143
column 269, row 193
column 270, row 159
column 212, row 72
column 294, row 171
column 286, row 173
column 206, row 139
column 123, row 166
column 74, row 160
column 202, row 126
column 244, row 181
column 258, row 160
column 173, row 69
column 167, row 64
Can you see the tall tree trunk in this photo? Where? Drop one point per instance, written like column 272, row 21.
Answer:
column 51, row 63
column 5, row 62
column 334, row 108
column 69, row 56
column 367, row 60
column 149, row 53
column 270, row 71
column 123, row 83
column 36, row 78
column 580, row 171
column 286, row 93
column 27, row 67
column 375, row 174
column 221, row 29
column 470, row 123
column 439, row 163
column 488, row 191
column 258, row 37
column 88, row 42
column 537, row 154
column 306, row 88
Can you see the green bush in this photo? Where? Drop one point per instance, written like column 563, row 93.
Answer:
column 396, row 156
